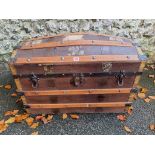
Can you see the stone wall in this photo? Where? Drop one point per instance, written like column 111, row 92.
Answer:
column 12, row 32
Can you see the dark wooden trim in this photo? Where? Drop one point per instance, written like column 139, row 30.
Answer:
column 79, row 105
column 77, row 92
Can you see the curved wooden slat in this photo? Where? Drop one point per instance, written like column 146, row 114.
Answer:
column 76, row 43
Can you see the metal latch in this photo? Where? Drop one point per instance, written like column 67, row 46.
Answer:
column 77, row 79
column 119, row 77
column 34, row 79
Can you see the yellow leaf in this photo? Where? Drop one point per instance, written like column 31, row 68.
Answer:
column 14, row 112
column 35, row 133
column 147, row 100
column 8, row 86
column 130, row 109
column 64, row 116
column 74, row 116
column 49, row 117
column 34, row 125
column 127, row 129
column 141, row 95
column 10, row 120
column 151, row 76
column 152, row 97
column 29, row 121
column 152, row 127
column 14, row 95
column 144, row 90
column 24, row 116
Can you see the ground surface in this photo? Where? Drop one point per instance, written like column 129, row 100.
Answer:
column 88, row 124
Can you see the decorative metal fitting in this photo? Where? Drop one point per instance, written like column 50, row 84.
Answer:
column 77, row 79
column 34, row 79
column 119, row 77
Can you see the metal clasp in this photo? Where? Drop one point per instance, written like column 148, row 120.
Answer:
column 34, row 79
column 77, row 79
column 119, row 77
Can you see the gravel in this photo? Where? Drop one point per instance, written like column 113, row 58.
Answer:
column 88, row 124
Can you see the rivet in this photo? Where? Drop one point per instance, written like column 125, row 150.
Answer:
column 28, row 60
column 93, row 57
column 62, row 58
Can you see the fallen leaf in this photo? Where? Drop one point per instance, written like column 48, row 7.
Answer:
column 20, row 118
column 19, row 100
column 144, row 90
column 74, row 116
column 49, row 117
column 29, row 121
column 35, row 133
column 34, row 125
column 141, row 95
column 64, row 116
column 1, row 86
column 127, row 129
column 130, row 109
column 8, row 86
column 39, row 117
column 14, row 112
column 44, row 120
column 151, row 76
column 152, row 127
column 10, row 120
column 14, row 95
column 147, row 100
column 121, row 117
column 152, row 97
column 3, row 126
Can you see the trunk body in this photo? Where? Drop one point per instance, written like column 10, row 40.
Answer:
column 80, row 72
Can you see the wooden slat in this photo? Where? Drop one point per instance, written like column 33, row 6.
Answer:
column 77, row 59
column 77, row 92
column 76, row 43
column 79, row 105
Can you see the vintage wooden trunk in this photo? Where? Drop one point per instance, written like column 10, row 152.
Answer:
column 79, row 72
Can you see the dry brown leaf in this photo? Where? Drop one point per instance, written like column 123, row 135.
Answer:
column 152, row 97
column 8, row 86
column 64, row 116
column 34, row 125
column 35, row 133
column 3, row 126
column 151, row 76
column 14, row 112
column 141, row 95
column 74, row 116
column 10, row 120
column 152, row 127
column 19, row 100
column 130, row 109
column 29, row 121
column 14, row 95
column 121, row 117
column 127, row 129
column 49, row 117
column 39, row 117
column 1, row 86
column 44, row 120
column 147, row 100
